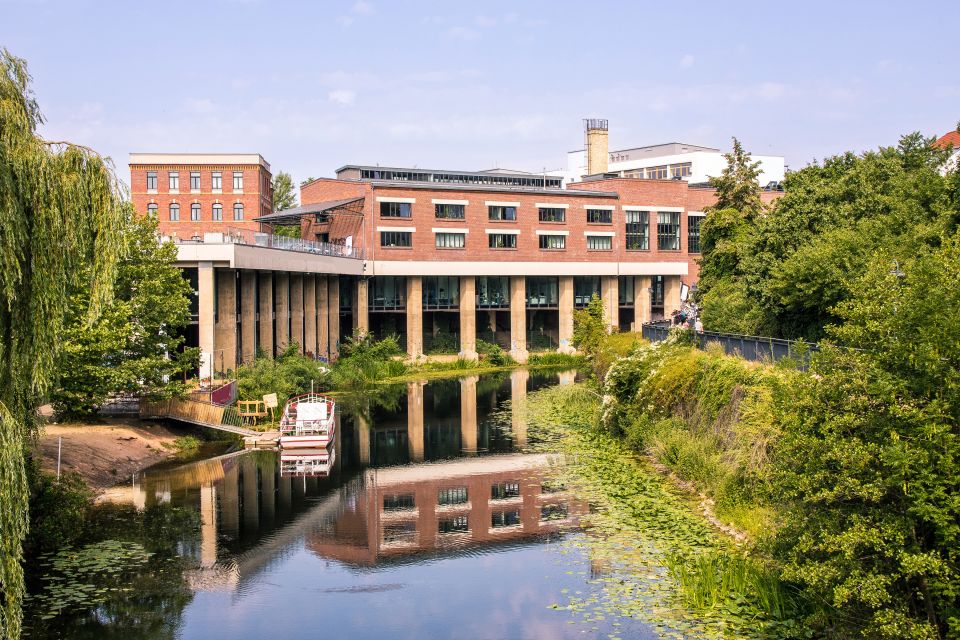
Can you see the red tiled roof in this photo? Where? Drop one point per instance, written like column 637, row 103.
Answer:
column 949, row 139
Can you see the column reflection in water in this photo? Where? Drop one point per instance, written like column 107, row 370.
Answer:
column 251, row 502
column 518, row 404
column 230, row 501
column 468, row 414
column 208, row 524
column 415, row 420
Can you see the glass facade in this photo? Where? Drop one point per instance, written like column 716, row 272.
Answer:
column 583, row 289
column 543, row 291
column 387, row 293
column 441, row 292
column 493, row 292
column 626, row 285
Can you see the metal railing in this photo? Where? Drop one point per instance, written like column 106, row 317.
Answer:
column 233, row 235
column 754, row 348
column 204, row 414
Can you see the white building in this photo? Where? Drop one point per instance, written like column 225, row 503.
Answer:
column 689, row 162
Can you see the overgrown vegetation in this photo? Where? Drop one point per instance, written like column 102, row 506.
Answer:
column 365, row 361
column 287, row 375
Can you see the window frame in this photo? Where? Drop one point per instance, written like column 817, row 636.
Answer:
column 512, row 245
column 238, row 207
column 450, row 234
column 216, row 181
column 396, row 235
column 504, row 211
column 643, row 230
column 608, row 240
column 217, row 207
column 174, row 206
column 603, row 213
column 553, row 211
column 153, row 210
column 387, row 210
column 195, row 214
column 173, row 180
column 152, row 181
column 237, row 180
column 544, row 240
column 447, row 207
column 194, row 179
column 663, row 235
column 693, row 233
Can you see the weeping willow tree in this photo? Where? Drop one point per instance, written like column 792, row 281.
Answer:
column 60, row 206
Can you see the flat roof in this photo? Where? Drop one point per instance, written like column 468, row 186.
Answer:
column 694, row 147
column 440, row 186
column 198, row 158
column 486, row 172
column 296, row 213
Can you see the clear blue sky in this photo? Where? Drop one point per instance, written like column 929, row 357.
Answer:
column 313, row 86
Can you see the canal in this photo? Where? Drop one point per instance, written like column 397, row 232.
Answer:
column 433, row 519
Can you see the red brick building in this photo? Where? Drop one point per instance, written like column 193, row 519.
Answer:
column 196, row 193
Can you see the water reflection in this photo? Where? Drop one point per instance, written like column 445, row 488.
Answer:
column 421, row 481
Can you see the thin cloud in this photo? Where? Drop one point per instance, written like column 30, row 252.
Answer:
column 687, row 61
column 363, row 8
column 344, row 97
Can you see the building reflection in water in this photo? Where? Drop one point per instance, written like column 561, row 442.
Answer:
column 441, row 470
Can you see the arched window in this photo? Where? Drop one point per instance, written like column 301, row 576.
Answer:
column 195, row 211
column 218, row 212
column 174, row 212
column 238, row 211
column 152, row 209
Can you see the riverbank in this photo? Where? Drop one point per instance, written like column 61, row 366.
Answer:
column 108, row 450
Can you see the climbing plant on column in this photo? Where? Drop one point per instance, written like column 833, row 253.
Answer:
column 60, row 207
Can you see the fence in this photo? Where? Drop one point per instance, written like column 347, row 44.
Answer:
column 755, row 348
column 196, row 412
column 233, row 235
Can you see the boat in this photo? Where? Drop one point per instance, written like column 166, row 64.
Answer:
column 314, row 463
column 308, row 422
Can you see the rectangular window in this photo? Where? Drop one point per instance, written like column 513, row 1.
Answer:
column 599, row 216
column 396, row 209
column 174, row 181
column 238, row 211
column 657, row 173
column 502, row 240
column 216, row 181
column 218, row 212
column 152, row 209
column 693, row 233
column 668, row 230
column 584, row 288
column 441, row 292
column 500, row 212
column 599, row 243
column 682, row 170
column 450, row 211
column 195, row 211
column 626, row 290
column 399, row 532
column 396, row 239
column 453, row 495
column 195, row 181
column 460, row 524
column 504, row 490
column 174, row 212
column 543, row 291
column 493, row 292
column 387, row 293
column 552, row 214
column 451, row 240
column 553, row 242
column 238, row 180
column 151, row 180
column 550, row 512
column 501, row 519
column 398, row 502
column 638, row 230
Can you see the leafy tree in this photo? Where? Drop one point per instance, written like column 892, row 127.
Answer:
column 60, row 209
column 284, row 195
column 872, row 522
column 590, row 335
column 135, row 344
column 287, row 375
column 738, row 186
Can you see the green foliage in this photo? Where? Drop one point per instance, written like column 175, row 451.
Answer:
column 444, row 342
column 364, row 361
column 58, row 510
column 590, row 335
column 728, row 308
column 556, row 360
column 290, row 374
column 493, row 354
column 284, row 193
column 134, row 346
column 60, row 209
column 738, row 187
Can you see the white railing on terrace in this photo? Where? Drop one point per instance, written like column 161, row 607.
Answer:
column 232, row 235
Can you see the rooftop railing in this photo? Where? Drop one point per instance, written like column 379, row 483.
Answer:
column 233, row 235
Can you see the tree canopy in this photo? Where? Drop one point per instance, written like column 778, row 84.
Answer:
column 284, row 194
column 60, row 209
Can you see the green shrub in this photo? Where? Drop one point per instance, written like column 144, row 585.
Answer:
column 290, row 374
column 558, row 360
column 364, row 361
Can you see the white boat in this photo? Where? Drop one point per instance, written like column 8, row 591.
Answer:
column 307, row 462
column 308, row 422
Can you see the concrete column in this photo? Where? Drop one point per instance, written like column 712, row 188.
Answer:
column 671, row 295
column 565, row 308
column 282, row 295
column 518, row 318
column 361, row 307
column 225, row 331
column 248, row 315
column 323, row 318
column 310, row 314
column 266, row 313
column 296, row 309
column 205, row 293
column 414, row 317
column 610, row 293
column 208, row 525
column 415, row 420
column 468, row 318
column 333, row 315
column 468, row 414
column 518, row 406
column 641, row 301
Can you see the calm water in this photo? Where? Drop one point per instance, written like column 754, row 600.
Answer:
column 431, row 521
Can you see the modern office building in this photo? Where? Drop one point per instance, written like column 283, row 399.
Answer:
column 691, row 163
column 195, row 193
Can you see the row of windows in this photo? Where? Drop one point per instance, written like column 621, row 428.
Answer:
column 217, row 215
column 636, row 237
column 452, row 495
column 680, row 170
column 501, row 213
column 216, row 180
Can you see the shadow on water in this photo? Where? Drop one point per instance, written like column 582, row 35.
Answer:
column 427, row 519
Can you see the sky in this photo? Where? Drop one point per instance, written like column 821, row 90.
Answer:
column 313, row 86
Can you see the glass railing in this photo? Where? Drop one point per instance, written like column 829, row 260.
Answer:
column 233, row 235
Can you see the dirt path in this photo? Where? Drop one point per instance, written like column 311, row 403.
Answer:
column 109, row 450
